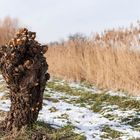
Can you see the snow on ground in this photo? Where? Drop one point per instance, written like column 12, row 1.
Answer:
column 93, row 89
column 85, row 121
column 63, row 112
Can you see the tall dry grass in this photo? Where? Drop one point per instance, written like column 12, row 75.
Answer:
column 109, row 60
column 8, row 27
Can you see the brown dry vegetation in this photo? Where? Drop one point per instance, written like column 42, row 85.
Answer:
column 109, row 60
column 8, row 27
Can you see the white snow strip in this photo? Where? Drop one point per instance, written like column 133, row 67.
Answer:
column 84, row 120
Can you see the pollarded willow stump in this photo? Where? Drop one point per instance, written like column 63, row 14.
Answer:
column 24, row 68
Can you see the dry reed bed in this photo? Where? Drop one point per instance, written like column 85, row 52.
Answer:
column 109, row 60
column 8, row 27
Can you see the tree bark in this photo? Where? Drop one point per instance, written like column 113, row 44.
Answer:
column 24, row 68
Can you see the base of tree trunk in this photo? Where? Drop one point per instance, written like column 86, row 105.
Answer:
column 24, row 68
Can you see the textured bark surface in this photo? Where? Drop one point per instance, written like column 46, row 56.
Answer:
column 24, row 68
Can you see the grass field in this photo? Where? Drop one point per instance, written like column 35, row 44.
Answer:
column 80, row 111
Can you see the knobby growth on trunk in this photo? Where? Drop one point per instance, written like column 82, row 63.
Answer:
column 24, row 69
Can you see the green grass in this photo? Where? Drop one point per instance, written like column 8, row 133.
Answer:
column 110, row 133
column 40, row 131
column 97, row 107
column 66, row 88
column 111, row 116
column 132, row 120
column 96, row 100
column 50, row 99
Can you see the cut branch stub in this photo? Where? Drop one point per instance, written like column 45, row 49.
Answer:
column 24, row 69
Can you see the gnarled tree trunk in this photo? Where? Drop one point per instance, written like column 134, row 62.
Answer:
column 24, row 68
